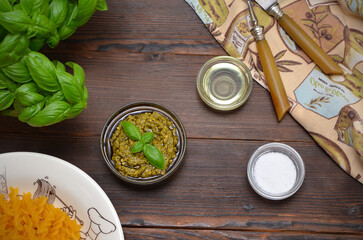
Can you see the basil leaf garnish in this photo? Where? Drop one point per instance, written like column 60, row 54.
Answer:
column 131, row 130
column 137, row 147
column 147, row 137
column 154, row 156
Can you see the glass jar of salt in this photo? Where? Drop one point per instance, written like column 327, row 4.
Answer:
column 275, row 171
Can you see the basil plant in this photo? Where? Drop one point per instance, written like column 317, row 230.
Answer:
column 34, row 89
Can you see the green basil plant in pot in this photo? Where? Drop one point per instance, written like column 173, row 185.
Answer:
column 33, row 88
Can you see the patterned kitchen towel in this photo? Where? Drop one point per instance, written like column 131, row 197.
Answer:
column 330, row 108
column 354, row 7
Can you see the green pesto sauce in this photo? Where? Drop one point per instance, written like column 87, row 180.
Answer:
column 136, row 165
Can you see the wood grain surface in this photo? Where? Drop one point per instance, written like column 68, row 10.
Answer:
column 152, row 50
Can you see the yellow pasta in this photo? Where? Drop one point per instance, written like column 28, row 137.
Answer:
column 24, row 218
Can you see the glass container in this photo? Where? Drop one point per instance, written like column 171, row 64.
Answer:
column 296, row 160
column 224, row 83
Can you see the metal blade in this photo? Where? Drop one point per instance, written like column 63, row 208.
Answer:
column 265, row 4
column 254, row 21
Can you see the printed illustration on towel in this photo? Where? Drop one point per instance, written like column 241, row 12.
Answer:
column 202, row 14
column 349, row 127
column 323, row 96
column 353, row 55
column 216, row 9
column 238, row 36
column 328, row 95
column 217, row 12
column 334, row 151
column 324, row 28
column 355, row 6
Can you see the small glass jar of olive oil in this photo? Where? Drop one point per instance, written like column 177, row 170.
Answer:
column 224, row 83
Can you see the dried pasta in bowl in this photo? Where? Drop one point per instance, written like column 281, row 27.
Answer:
column 25, row 218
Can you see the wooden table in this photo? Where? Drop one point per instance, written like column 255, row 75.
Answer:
column 152, row 50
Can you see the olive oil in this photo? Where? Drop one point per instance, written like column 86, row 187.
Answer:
column 225, row 83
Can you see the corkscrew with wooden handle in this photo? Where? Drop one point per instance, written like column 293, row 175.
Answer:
column 272, row 75
column 300, row 37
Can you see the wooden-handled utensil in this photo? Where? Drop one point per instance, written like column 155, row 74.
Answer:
column 300, row 37
column 272, row 75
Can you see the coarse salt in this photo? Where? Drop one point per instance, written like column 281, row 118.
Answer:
column 275, row 172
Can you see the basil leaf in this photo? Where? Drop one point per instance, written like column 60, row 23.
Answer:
column 78, row 72
column 53, row 40
column 74, row 110
column 3, row 33
column 52, row 113
column 42, row 71
column 5, row 82
column 147, row 137
column 131, row 130
column 154, row 156
column 10, row 113
column 59, row 66
column 12, row 48
column 6, row 99
column 101, row 5
column 27, row 87
column 16, row 21
column 58, row 12
column 85, row 96
column 18, row 72
column 85, row 10
column 36, row 43
column 71, row 90
column 138, row 146
column 29, row 98
column 31, row 6
column 58, row 96
column 17, row 6
column 18, row 107
column 66, row 30
column 5, row 6
column 27, row 94
column 27, row 113
column 41, row 27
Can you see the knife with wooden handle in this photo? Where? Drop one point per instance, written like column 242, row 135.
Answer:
column 300, row 37
column 272, row 75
